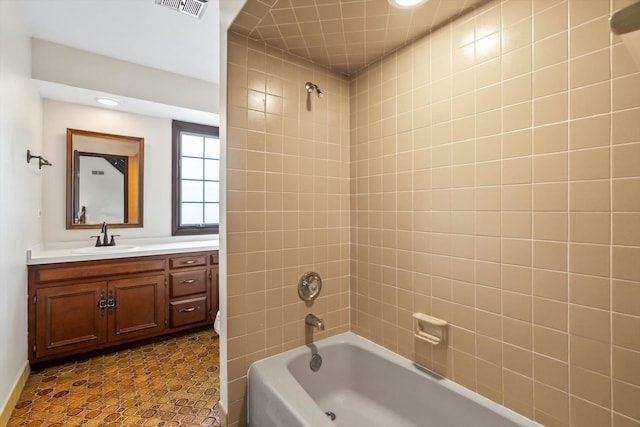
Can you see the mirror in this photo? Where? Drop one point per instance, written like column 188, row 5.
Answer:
column 104, row 179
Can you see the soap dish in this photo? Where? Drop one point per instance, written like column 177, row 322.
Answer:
column 429, row 328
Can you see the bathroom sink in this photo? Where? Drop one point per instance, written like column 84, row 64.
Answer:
column 103, row 249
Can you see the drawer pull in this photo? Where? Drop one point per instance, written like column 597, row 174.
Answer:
column 189, row 262
column 189, row 281
column 190, row 309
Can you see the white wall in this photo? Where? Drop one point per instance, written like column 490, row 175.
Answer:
column 20, row 189
column 57, row 117
column 73, row 67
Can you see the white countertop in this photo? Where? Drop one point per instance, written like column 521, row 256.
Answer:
column 125, row 248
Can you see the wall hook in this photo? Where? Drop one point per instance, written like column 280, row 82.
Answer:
column 41, row 160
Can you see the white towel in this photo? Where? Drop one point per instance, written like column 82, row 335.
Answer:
column 216, row 323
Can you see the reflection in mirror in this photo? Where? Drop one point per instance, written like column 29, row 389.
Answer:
column 104, row 179
column 103, row 188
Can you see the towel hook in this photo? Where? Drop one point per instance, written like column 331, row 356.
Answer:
column 41, row 160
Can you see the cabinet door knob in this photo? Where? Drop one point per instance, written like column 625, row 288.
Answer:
column 189, row 310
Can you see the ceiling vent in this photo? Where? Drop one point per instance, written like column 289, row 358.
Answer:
column 193, row 8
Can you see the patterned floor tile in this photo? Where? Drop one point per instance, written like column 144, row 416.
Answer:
column 173, row 383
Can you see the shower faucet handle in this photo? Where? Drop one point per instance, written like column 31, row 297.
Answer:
column 309, row 286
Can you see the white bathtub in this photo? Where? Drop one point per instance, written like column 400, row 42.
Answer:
column 362, row 384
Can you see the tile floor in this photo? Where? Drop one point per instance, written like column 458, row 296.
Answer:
column 170, row 383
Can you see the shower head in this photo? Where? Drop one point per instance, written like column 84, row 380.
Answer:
column 310, row 87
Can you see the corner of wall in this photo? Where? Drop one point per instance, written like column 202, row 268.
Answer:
column 14, row 395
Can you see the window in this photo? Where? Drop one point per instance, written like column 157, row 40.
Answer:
column 196, row 179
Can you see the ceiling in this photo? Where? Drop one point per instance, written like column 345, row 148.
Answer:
column 137, row 31
column 343, row 35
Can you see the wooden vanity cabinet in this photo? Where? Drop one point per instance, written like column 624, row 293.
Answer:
column 82, row 306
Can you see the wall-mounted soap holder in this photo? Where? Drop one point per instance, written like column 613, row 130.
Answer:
column 429, row 328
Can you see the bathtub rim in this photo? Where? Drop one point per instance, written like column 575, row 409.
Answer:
column 276, row 366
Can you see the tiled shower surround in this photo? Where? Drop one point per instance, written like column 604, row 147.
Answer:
column 487, row 174
column 287, row 204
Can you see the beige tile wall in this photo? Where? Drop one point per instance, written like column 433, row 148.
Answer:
column 287, row 205
column 495, row 180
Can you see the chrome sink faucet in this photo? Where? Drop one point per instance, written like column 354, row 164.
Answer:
column 314, row 321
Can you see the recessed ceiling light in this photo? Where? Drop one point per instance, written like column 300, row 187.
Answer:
column 107, row 101
column 406, row 3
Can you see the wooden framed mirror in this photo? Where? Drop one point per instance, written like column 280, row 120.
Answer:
column 104, row 179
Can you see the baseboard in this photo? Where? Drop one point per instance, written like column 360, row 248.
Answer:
column 7, row 409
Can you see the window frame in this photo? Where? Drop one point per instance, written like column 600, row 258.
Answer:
column 177, row 127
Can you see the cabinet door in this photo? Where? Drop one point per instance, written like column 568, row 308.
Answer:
column 136, row 307
column 69, row 318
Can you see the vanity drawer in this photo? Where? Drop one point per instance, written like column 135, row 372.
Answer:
column 187, row 283
column 214, row 258
column 188, row 311
column 188, row 261
column 98, row 269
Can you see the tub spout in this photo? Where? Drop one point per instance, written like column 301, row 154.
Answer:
column 312, row 320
